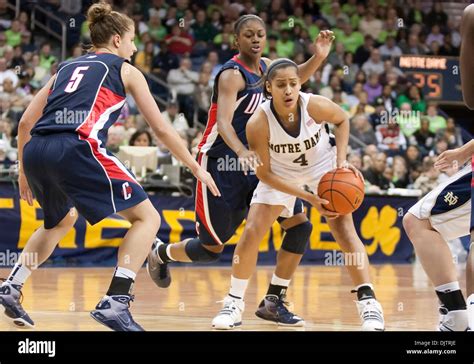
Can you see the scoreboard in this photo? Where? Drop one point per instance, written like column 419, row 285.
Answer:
column 437, row 76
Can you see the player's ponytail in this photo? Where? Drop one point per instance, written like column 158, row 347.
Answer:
column 105, row 22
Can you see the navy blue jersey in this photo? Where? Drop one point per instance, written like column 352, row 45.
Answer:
column 248, row 100
column 86, row 97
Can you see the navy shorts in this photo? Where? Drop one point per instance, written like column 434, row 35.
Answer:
column 64, row 171
column 217, row 218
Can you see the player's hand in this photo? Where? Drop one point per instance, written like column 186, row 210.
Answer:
column 323, row 43
column 204, row 176
column 347, row 165
column 249, row 160
column 319, row 203
column 25, row 191
column 450, row 159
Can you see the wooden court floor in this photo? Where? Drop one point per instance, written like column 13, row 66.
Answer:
column 61, row 298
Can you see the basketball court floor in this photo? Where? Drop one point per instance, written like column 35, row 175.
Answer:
column 61, row 298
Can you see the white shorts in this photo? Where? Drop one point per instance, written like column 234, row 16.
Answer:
column 267, row 195
column 448, row 206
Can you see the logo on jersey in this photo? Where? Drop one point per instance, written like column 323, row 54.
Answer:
column 254, row 102
column 297, row 147
column 451, row 199
column 126, row 191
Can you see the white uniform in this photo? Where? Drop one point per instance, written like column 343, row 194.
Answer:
column 302, row 160
column 448, row 206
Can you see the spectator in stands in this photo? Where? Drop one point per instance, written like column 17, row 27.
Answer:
column 203, row 96
column 6, row 15
column 416, row 14
column 144, row 59
column 350, row 68
column 156, row 29
column 428, row 180
column 414, row 97
column 203, row 31
column 4, row 47
column 336, row 58
column 179, row 41
column 369, row 25
column 374, row 64
column 46, row 58
column 164, row 62
column 141, row 138
column 437, row 15
column 437, row 122
column 334, row 84
column 434, row 49
column 413, row 46
column 285, row 47
column 355, row 160
column 7, row 73
column 362, row 130
column 14, row 33
column 26, row 44
column 400, row 173
column 412, row 157
column 435, row 35
column 362, row 53
column 115, row 138
column 390, row 48
column 351, row 40
column 183, row 81
column 373, row 87
column 363, row 106
column 374, row 175
column 390, row 139
column 174, row 117
column 423, row 137
column 408, row 119
column 441, row 146
column 451, row 134
column 448, row 48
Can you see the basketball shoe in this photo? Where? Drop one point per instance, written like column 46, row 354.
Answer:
column 452, row 320
column 156, row 268
column 10, row 299
column 273, row 308
column 112, row 311
column 230, row 315
column 371, row 315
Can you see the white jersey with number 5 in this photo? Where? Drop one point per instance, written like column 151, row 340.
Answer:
column 302, row 158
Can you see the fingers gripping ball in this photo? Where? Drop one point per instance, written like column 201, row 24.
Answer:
column 343, row 189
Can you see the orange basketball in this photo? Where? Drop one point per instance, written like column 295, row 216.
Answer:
column 343, row 189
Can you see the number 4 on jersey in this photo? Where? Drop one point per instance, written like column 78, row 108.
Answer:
column 301, row 160
column 75, row 79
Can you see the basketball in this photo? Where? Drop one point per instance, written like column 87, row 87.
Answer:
column 343, row 189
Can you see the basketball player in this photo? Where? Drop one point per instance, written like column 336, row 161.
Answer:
column 447, row 212
column 235, row 98
column 291, row 138
column 65, row 165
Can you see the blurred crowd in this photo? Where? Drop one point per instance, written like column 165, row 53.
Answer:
column 395, row 133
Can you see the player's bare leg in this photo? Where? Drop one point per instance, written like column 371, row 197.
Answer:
column 435, row 257
column 112, row 311
column 37, row 250
column 357, row 263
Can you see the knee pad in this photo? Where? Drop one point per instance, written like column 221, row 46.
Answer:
column 197, row 253
column 297, row 237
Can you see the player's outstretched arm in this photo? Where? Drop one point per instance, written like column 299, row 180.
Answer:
column 258, row 137
column 467, row 56
column 136, row 83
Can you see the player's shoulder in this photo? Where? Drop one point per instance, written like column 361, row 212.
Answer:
column 231, row 78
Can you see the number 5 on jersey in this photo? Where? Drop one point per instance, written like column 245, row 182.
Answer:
column 75, row 79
